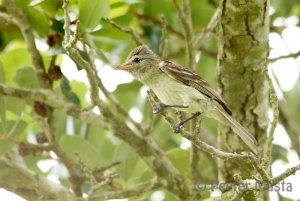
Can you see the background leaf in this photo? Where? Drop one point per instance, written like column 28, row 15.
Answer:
column 91, row 12
column 73, row 144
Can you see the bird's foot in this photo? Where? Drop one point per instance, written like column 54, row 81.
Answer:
column 162, row 107
column 177, row 128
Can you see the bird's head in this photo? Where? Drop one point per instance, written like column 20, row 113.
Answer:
column 141, row 63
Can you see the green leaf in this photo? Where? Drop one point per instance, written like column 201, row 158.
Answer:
column 128, row 92
column 104, row 143
column 26, row 77
column 51, row 7
column 180, row 158
column 91, row 12
column 57, row 26
column 38, row 20
column 128, row 168
column 153, row 37
column 2, row 100
column 80, row 89
column 60, row 122
column 118, row 9
column 17, row 56
column 201, row 12
column 15, row 129
column 56, row 50
column 67, row 91
column 15, row 105
column 279, row 153
column 73, row 144
column 22, row 3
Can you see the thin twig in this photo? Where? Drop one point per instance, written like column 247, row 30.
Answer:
column 163, row 39
column 156, row 22
column 184, row 12
column 50, row 98
column 131, row 192
column 99, row 185
column 130, row 31
column 7, row 18
column 86, row 170
column 293, row 55
column 287, row 173
column 111, row 97
column 274, row 105
column 102, row 169
column 198, row 40
column 22, row 22
column 264, row 175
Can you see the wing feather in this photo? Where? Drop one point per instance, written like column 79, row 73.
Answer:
column 189, row 78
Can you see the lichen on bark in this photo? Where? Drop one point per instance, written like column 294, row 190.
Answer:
column 242, row 62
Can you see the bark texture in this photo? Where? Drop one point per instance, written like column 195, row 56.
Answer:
column 17, row 178
column 242, row 64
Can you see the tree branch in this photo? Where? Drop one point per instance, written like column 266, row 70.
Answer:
column 22, row 181
column 131, row 192
column 145, row 147
column 274, row 104
column 184, row 12
column 22, row 22
column 195, row 140
column 198, row 40
column 48, row 97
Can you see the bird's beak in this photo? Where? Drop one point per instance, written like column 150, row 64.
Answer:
column 125, row 67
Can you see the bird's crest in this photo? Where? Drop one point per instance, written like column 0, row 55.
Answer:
column 140, row 50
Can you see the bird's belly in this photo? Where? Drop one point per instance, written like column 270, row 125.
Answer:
column 175, row 93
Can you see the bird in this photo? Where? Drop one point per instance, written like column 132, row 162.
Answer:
column 180, row 87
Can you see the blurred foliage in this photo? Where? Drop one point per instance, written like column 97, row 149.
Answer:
column 97, row 147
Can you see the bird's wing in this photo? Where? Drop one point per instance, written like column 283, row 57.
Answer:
column 189, row 78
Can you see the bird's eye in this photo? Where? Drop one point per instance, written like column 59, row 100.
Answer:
column 136, row 60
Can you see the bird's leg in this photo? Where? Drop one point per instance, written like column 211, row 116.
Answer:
column 162, row 107
column 176, row 129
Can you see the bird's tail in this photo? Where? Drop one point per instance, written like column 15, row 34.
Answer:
column 241, row 131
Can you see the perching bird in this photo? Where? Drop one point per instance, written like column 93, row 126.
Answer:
column 179, row 87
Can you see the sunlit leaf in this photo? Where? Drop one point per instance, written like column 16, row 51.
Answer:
column 91, row 12
column 80, row 89
column 104, row 143
column 73, row 144
column 118, row 9
column 56, row 50
column 67, row 91
column 2, row 101
column 15, row 105
column 38, row 20
column 128, row 93
column 180, row 158
column 16, row 57
column 129, row 160
column 26, row 77
column 14, row 129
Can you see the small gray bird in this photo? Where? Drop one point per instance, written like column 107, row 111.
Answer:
column 179, row 87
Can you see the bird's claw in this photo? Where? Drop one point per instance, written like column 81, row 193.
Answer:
column 162, row 107
column 177, row 129
column 158, row 109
